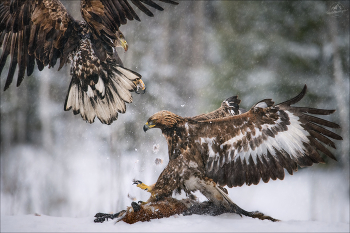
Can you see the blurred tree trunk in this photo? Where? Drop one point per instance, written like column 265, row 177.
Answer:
column 340, row 91
column 45, row 112
column 198, row 37
column 165, row 38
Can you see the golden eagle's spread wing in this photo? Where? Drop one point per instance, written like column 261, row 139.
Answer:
column 262, row 142
column 229, row 107
column 106, row 16
column 34, row 30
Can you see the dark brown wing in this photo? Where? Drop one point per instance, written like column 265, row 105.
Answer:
column 106, row 16
column 262, row 142
column 229, row 107
column 30, row 31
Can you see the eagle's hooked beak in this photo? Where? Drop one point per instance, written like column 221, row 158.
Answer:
column 124, row 44
column 147, row 126
column 121, row 42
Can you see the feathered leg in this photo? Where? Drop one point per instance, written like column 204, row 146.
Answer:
column 219, row 198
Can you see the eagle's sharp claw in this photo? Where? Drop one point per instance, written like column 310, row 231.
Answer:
column 142, row 185
column 137, row 182
column 140, row 85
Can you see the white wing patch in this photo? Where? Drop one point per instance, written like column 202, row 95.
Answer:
column 290, row 140
column 210, row 141
column 261, row 105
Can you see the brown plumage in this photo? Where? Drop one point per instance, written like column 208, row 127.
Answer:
column 211, row 150
column 42, row 31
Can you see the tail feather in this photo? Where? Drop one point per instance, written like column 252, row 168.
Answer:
column 105, row 99
column 104, row 111
column 71, row 98
column 86, row 109
column 123, row 93
column 132, row 75
column 100, row 87
column 126, row 82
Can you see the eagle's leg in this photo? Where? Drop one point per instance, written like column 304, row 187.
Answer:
column 143, row 186
column 140, row 85
column 221, row 200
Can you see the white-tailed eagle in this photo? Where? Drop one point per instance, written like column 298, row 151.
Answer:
column 232, row 147
column 42, row 31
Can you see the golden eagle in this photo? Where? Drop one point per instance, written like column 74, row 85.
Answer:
column 42, row 31
column 231, row 147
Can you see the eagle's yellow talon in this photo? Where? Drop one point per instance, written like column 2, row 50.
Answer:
column 140, row 85
column 143, row 186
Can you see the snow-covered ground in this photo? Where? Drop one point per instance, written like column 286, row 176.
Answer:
column 199, row 223
column 326, row 209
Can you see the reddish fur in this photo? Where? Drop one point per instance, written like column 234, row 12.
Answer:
column 166, row 208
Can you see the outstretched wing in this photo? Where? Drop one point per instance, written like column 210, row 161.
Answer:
column 229, row 107
column 106, row 16
column 30, row 31
column 262, row 142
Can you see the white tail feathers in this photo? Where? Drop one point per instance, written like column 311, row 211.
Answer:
column 90, row 92
column 131, row 75
column 113, row 92
column 100, row 87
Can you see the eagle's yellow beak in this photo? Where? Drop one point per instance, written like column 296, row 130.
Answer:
column 147, row 126
column 124, row 44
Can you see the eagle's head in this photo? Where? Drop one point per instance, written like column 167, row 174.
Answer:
column 162, row 120
column 120, row 41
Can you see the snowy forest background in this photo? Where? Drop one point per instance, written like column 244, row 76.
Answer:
column 191, row 56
